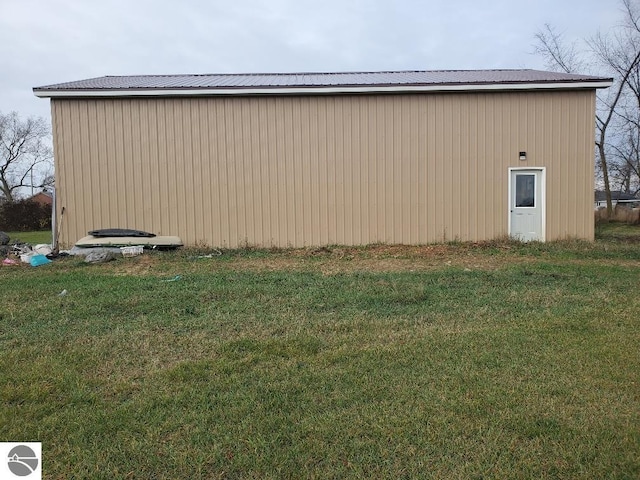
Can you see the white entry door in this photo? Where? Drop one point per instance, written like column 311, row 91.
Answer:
column 527, row 204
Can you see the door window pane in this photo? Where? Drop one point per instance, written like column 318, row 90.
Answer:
column 525, row 190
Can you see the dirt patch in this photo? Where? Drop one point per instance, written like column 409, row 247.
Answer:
column 140, row 265
column 377, row 258
column 336, row 260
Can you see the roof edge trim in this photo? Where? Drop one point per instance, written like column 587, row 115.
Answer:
column 158, row 92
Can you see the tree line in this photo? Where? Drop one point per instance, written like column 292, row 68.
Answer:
column 25, row 155
column 617, row 129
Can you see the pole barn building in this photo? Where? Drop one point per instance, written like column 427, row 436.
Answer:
column 296, row 160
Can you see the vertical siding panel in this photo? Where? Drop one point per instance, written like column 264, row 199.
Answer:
column 374, row 176
column 506, row 144
column 412, row 139
column 398, row 164
column 127, row 214
column 262, row 167
column 156, row 133
column 252, row 171
column 377, row 158
column 459, row 188
column 351, row 183
column 414, row 177
column 274, row 172
column 586, row 160
column 318, row 170
column 420, row 133
column 331, row 127
column 65, row 187
column 585, row 165
column 460, row 173
column 448, row 186
column 137, row 165
column 573, row 160
column 194, row 148
column 162, row 172
column 298, row 165
column 486, row 163
column 440, row 161
column 108, row 201
column 234, row 214
column 358, row 173
column 340, row 160
column 282, row 172
column 160, row 213
column 557, row 171
column 205, row 203
column 468, row 154
column 228, row 154
column 240, row 170
column 501, row 115
column 216, row 139
column 150, row 182
column 75, row 217
column 175, row 174
column 365, row 166
column 546, row 127
column 312, row 179
column 122, row 121
column 245, row 126
column 385, row 174
column 307, row 145
column 564, row 162
column 97, row 138
column 182, row 167
column 589, row 161
column 391, row 163
column 289, row 179
column 431, row 162
column 231, row 155
column 482, row 161
column 82, row 143
column 274, row 163
column 324, row 154
column 403, row 152
column 352, row 165
column 550, row 162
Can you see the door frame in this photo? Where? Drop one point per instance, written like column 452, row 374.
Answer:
column 543, row 196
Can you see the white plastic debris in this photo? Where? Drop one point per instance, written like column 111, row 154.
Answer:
column 43, row 249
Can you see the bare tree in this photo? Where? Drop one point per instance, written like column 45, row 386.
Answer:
column 618, row 108
column 24, row 152
column 557, row 54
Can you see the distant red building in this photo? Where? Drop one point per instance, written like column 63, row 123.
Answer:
column 43, row 198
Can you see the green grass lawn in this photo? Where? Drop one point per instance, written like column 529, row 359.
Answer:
column 617, row 231
column 34, row 238
column 497, row 360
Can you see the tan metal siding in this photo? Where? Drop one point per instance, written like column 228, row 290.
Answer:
column 295, row 171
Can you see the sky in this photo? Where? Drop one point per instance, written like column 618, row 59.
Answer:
column 44, row 42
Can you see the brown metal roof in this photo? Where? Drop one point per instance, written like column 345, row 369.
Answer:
column 344, row 81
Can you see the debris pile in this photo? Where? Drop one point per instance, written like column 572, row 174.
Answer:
column 16, row 251
column 98, row 247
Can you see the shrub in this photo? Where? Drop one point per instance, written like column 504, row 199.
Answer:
column 621, row 213
column 24, row 216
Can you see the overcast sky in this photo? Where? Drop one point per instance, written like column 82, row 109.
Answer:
column 51, row 41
